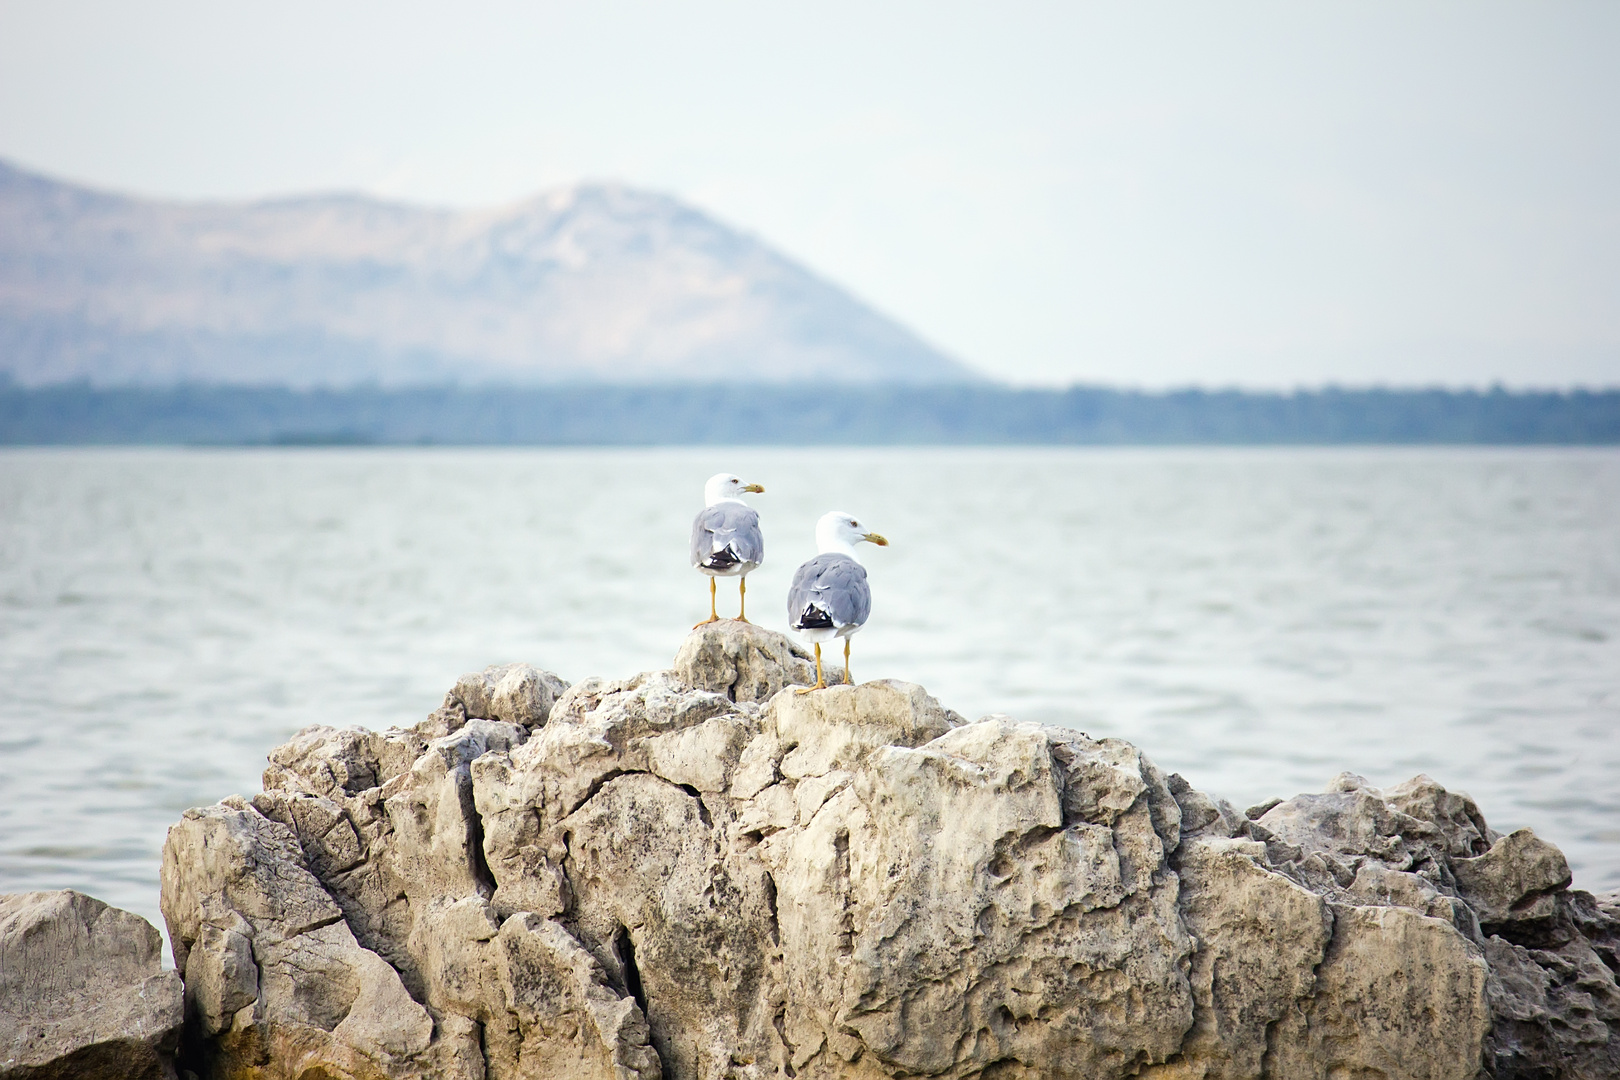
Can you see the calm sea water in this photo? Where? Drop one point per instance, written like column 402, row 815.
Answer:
column 1257, row 620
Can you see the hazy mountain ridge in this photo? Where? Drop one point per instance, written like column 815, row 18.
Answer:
column 596, row 282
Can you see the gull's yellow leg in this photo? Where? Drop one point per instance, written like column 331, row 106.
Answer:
column 714, row 616
column 821, row 684
column 849, row 681
column 742, row 598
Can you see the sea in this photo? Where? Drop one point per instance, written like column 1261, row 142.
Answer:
column 1258, row 620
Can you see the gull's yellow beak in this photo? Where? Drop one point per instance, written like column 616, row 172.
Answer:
column 755, row 488
column 876, row 539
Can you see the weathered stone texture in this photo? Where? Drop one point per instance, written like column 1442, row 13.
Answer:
column 702, row 874
column 82, row 992
column 747, row 662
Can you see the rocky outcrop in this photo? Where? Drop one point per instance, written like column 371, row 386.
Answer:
column 82, row 992
column 700, row 873
column 746, row 663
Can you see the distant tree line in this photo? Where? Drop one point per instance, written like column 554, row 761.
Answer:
column 624, row 415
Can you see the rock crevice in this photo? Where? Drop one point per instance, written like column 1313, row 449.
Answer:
column 699, row 874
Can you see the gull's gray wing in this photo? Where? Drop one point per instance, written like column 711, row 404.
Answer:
column 829, row 592
column 726, row 534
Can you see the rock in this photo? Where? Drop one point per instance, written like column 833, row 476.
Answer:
column 838, row 727
column 1397, row 995
column 82, row 992
column 1260, row 940
column 747, row 662
column 578, row 1024
column 332, row 762
column 1505, row 948
column 270, row 966
column 511, row 693
column 701, row 874
column 949, row 910
column 1516, row 887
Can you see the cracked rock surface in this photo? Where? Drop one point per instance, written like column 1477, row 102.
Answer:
column 82, row 992
column 700, row 874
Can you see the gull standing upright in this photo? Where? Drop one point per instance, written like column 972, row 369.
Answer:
column 726, row 541
column 829, row 597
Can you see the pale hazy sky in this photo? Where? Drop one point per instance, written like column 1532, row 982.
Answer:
column 1149, row 194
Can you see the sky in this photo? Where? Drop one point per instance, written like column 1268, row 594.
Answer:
column 1235, row 194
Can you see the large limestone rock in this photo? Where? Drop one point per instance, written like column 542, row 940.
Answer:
column 701, row 874
column 1449, row 951
column 747, row 662
column 82, row 992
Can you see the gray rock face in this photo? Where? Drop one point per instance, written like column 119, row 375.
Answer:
column 82, row 992
column 700, row 874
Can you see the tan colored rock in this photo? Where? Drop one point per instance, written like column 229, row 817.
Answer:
column 840, row 725
column 943, row 914
column 1457, row 824
column 271, row 968
column 746, row 662
column 678, row 917
column 512, row 693
column 597, row 730
column 82, row 992
column 700, row 874
column 1519, row 880
column 1260, row 939
column 1399, row 995
column 1424, row 892
column 576, row 1025
column 335, row 762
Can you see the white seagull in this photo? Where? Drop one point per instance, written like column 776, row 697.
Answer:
column 726, row 541
column 829, row 597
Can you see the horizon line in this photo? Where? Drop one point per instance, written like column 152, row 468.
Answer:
column 9, row 384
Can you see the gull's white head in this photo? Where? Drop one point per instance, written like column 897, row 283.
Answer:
column 723, row 486
column 838, row 532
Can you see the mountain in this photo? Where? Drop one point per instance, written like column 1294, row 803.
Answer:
column 596, row 282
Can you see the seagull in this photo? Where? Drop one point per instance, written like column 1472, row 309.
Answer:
column 829, row 597
column 726, row 541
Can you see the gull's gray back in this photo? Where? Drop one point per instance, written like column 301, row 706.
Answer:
column 727, row 537
column 829, row 589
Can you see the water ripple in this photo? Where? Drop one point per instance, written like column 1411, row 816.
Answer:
column 1257, row 620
